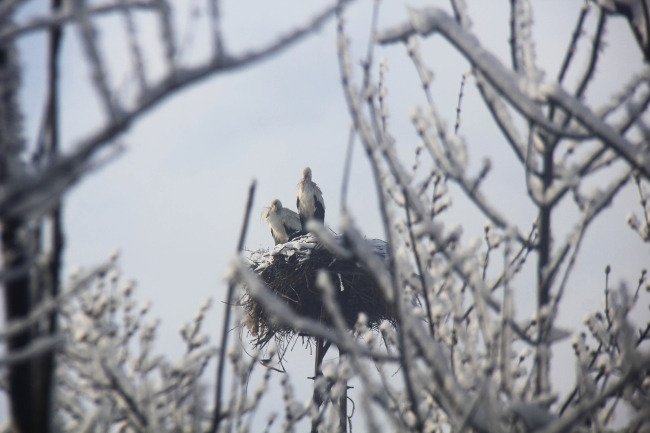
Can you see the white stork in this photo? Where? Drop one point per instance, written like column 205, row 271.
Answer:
column 309, row 200
column 284, row 223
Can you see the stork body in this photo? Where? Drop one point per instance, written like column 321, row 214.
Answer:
column 284, row 223
column 309, row 200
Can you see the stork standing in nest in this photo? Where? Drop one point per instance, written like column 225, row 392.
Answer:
column 284, row 223
column 309, row 200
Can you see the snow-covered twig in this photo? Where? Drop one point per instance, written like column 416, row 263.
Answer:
column 521, row 40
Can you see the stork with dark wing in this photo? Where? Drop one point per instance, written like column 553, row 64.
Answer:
column 309, row 200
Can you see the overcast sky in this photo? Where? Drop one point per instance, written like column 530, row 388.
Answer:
column 173, row 202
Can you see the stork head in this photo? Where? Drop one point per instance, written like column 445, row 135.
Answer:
column 276, row 204
column 306, row 173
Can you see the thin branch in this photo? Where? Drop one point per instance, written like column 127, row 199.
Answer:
column 604, row 199
column 422, row 275
column 217, row 415
column 167, row 35
column 466, row 185
column 120, row 386
column 347, row 168
column 89, row 39
column 577, row 32
column 324, row 283
column 628, row 90
column 22, row 190
column 215, row 23
column 636, row 156
column 66, row 15
column 593, row 57
column 460, row 99
column 513, row 36
column 7, row 7
column 501, row 115
column 522, row 48
column 514, row 88
column 380, row 134
column 574, row 415
column 134, row 47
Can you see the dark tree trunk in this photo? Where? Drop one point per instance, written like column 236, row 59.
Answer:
column 30, row 381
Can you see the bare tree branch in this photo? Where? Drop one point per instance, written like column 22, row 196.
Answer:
column 516, row 89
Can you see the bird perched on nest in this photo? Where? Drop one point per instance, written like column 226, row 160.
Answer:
column 284, row 223
column 309, row 200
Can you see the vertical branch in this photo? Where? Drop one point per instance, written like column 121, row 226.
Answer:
column 134, row 47
column 568, row 57
column 527, row 45
column 460, row 100
column 425, row 287
column 460, row 13
column 98, row 69
column 167, row 33
column 521, row 44
column 513, row 35
column 367, row 63
column 215, row 22
column 544, row 247
column 343, row 400
column 14, row 250
column 346, row 169
column 322, row 347
column 50, row 227
column 588, row 73
column 217, row 416
column 593, row 58
column 574, row 42
column 542, row 357
column 506, row 318
column 17, row 306
column 10, row 117
column 354, row 106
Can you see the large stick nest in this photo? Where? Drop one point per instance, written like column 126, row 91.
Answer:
column 289, row 271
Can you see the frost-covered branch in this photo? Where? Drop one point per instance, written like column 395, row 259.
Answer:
column 449, row 351
column 25, row 192
column 521, row 40
column 520, row 92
